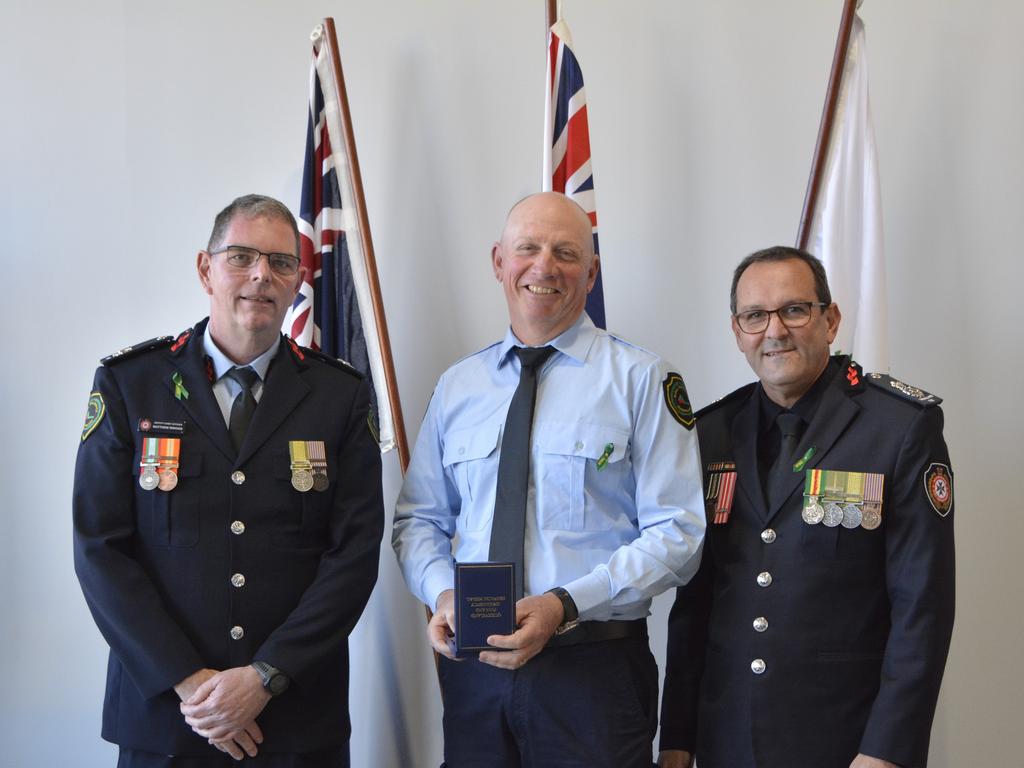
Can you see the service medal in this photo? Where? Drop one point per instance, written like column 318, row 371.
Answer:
column 833, row 515
column 852, row 516
column 874, row 483
column 149, row 479
column 302, row 480
column 318, row 461
column 813, row 511
column 871, row 517
column 170, row 448
column 302, row 477
column 168, row 480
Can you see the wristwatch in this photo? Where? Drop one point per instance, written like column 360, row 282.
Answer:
column 572, row 614
column 274, row 680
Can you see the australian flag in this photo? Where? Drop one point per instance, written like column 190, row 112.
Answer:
column 567, row 167
column 333, row 311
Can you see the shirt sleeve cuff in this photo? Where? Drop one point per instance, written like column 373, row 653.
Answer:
column 437, row 579
column 590, row 593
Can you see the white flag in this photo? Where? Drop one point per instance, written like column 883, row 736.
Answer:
column 847, row 230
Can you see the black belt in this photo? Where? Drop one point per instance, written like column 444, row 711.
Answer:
column 596, row 631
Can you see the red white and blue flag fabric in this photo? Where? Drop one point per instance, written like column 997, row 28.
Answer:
column 567, row 166
column 333, row 311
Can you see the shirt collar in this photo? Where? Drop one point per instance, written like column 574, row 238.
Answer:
column 575, row 341
column 222, row 363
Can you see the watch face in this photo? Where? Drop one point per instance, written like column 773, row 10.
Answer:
column 277, row 684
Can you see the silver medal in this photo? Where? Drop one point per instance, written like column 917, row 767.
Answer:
column 833, row 515
column 813, row 512
column 302, row 480
column 149, row 479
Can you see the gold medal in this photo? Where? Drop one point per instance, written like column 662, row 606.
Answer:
column 168, row 480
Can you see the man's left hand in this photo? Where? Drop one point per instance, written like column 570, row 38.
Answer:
column 537, row 616
column 226, row 703
column 863, row 761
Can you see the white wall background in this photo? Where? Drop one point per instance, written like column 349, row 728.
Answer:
column 124, row 126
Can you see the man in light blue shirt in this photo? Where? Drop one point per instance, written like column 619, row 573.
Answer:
column 614, row 515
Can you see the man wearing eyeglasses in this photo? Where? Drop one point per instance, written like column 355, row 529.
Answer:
column 815, row 633
column 227, row 522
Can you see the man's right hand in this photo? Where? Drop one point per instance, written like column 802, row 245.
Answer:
column 441, row 629
column 674, row 758
column 242, row 742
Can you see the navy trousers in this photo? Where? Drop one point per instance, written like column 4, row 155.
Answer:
column 328, row 758
column 592, row 705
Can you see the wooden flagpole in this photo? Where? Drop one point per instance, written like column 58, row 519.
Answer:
column 828, row 114
column 390, row 381
column 551, row 16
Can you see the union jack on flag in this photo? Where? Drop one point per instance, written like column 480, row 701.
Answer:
column 333, row 311
column 567, row 166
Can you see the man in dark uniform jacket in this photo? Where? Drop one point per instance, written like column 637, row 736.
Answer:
column 227, row 522
column 816, row 631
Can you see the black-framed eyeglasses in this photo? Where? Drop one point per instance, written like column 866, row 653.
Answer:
column 244, row 257
column 795, row 315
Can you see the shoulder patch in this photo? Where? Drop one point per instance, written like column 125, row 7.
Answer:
column 137, row 349
column 938, row 485
column 302, row 353
column 677, row 400
column 743, row 391
column 94, row 413
column 903, row 391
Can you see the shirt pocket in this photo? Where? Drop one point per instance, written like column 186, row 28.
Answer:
column 581, row 469
column 305, row 516
column 174, row 515
column 471, row 460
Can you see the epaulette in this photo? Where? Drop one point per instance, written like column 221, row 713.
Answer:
column 137, row 349
column 301, row 353
column 903, row 391
column 743, row 391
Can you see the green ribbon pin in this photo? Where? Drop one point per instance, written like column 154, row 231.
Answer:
column 804, row 459
column 602, row 460
column 179, row 386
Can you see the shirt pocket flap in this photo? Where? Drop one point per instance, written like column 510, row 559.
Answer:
column 589, row 441
column 474, row 443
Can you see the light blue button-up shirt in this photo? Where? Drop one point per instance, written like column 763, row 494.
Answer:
column 614, row 536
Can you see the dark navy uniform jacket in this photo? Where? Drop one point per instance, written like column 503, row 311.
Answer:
column 858, row 622
column 156, row 567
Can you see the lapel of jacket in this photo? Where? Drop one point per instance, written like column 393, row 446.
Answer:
column 744, row 445
column 186, row 358
column 283, row 390
column 834, row 413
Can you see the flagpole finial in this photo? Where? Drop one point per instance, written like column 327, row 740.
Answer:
column 317, row 33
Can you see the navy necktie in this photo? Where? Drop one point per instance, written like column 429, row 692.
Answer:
column 244, row 404
column 508, row 529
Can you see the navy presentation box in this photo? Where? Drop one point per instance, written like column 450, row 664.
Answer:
column 485, row 604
